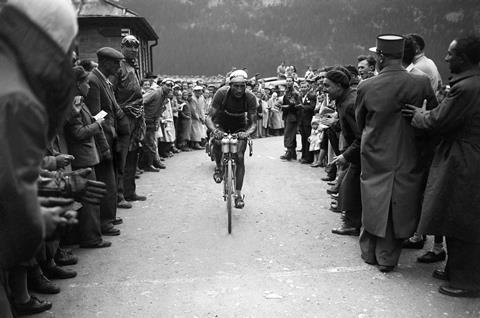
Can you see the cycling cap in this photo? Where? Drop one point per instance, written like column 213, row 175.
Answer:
column 238, row 76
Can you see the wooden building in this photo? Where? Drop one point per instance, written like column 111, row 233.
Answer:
column 105, row 22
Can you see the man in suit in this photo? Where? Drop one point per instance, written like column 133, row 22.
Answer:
column 309, row 101
column 101, row 97
column 392, row 174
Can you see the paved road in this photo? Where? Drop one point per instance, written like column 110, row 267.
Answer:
column 175, row 258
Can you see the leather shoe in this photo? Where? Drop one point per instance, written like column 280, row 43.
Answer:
column 124, row 205
column 42, row 285
column 440, row 274
column 457, row 292
column 64, row 257
column 56, row 272
column 136, row 197
column 332, row 190
column 159, row 165
column 117, row 221
column 385, row 268
column 100, row 244
column 151, row 169
column 111, row 232
column 431, row 257
column 305, row 161
column 413, row 245
column 346, row 230
column 32, row 306
column 287, row 156
column 328, row 178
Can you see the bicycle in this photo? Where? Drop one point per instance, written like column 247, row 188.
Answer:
column 229, row 147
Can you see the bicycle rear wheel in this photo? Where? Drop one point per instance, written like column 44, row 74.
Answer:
column 228, row 183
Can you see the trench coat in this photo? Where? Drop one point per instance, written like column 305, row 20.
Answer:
column 451, row 206
column 198, row 119
column 392, row 174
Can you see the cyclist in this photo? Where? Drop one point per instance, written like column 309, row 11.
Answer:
column 233, row 111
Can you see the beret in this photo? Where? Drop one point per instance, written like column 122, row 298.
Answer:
column 338, row 77
column 79, row 73
column 109, row 53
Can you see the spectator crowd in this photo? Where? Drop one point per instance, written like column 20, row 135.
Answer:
column 400, row 148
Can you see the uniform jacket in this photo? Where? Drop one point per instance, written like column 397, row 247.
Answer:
column 36, row 91
column 391, row 172
column 452, row 195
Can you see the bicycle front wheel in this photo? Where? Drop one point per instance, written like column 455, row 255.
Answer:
column 229, row 186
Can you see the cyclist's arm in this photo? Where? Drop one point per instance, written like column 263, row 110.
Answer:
column 209, row 120
column 252, row 105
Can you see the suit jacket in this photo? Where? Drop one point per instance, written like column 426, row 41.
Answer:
column 291, row 98
column 392, row 175
column 80, row 131
column 346, row 115
column 101, row 97
column 308, row 107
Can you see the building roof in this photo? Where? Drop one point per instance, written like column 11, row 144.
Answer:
column 107, row 10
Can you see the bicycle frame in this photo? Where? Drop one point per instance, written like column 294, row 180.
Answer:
column 229, row 150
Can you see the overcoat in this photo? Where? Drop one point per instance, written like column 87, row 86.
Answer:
column 392, row 176
column 198, row 118
column 451, row 206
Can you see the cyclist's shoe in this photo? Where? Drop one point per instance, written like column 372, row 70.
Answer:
column 239, row 202
column 217, row 175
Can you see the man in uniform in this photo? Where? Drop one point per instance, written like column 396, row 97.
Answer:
column 392, row 174
column 234, row 110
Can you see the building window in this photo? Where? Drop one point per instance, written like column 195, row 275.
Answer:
column 125, row 32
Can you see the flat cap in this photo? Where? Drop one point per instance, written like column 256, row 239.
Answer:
column 109, row 53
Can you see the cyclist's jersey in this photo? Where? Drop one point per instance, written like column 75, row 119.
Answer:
column 232, row 113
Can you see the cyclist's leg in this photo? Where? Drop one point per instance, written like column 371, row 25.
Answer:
column 240, row 173
column 217, row 154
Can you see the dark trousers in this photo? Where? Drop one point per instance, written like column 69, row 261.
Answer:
column 105, row 172
column 463, row 264
column 305, row 130
column 350, row 199
column 290, row 135
column 5, row 310
column 89, row 230
column 382, row 250
column 129, row 173
column 330, row 135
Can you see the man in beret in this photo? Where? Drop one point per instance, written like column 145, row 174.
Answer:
column 128, row 93
column 392, row 171
column 338, row 86
column 102, row 98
